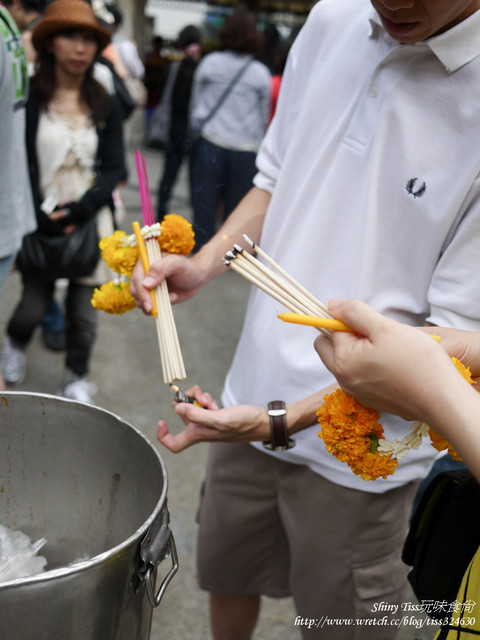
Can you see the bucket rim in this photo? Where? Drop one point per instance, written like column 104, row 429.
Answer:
column 117, row 549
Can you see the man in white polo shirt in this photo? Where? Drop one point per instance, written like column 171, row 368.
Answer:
column 367, row 187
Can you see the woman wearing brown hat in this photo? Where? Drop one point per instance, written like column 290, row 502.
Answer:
column 75, row 153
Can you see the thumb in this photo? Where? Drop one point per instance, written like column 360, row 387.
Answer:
column 359, row 316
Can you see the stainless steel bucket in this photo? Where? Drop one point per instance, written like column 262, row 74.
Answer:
column 96, row 489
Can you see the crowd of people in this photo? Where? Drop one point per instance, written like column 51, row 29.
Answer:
column 221, row 158
column 213, row 110
column 360, row 176
column 72, row 157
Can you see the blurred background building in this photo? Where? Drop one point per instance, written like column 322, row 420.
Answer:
column 144, row 19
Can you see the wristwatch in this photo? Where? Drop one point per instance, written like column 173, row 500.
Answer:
column 278, row 428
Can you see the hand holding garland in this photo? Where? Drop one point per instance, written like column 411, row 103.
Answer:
column 396, row 368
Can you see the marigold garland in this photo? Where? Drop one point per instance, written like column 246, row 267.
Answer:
column 113, row 298
column 373, row 465
column 353, row 434
column 177, row 235
column 120, row 253
column 117, row 254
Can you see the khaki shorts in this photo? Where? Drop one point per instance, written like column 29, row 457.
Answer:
column 273, row 528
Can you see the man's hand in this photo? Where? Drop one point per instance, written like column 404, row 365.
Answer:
column 208, row 423
column 184, row 277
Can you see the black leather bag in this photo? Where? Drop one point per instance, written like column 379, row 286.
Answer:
column 444, row 536
column 70, row 255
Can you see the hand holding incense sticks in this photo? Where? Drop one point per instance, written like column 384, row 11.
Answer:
column 170, row 352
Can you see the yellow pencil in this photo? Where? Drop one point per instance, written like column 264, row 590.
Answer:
column 315, row 321
column 145, row 261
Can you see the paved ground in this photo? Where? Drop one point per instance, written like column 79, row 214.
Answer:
column 126, row 368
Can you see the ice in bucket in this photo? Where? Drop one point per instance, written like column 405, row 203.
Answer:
column 18, row 555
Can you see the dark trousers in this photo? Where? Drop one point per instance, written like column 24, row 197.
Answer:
column 80, row 316
column 220, row 177
column 176, row 151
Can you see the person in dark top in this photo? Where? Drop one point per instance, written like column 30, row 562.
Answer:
column 189, row 42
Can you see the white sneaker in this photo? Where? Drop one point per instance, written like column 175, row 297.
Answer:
column 81, row 390
column 14, row 362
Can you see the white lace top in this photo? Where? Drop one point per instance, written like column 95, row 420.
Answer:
column 66, row 150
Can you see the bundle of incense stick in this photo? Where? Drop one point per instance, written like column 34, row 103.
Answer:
column 169, row 345
column 275, row 281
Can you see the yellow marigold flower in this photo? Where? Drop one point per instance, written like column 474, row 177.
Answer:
column 463, row 371
column 351, row 432
column 177, row 235
column 117, row 255
column 113, row 298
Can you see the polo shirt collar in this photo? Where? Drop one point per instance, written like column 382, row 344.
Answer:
column 454, row 48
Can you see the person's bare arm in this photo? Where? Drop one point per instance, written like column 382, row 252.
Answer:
column 240, row 423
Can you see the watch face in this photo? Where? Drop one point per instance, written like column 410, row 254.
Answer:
column 277, row 412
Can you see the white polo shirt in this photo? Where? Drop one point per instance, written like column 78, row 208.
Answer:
column 373, row 163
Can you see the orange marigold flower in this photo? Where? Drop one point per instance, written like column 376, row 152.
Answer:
column 440, row 444
column 373, row 466
column 177, row 235
column 113, row 298
column 351, row 432
column 117, row 255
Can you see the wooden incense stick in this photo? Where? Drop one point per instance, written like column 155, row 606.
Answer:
column 302, row 298
column 282, row 271
column 166, row 325
column 276, row 282
column 173, row 367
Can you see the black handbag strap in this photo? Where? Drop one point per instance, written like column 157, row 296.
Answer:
column 225, row 94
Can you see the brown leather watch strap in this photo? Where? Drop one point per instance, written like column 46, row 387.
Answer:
column 278, row 427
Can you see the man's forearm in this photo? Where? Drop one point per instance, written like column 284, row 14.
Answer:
column 303, row 413
column 247, row 218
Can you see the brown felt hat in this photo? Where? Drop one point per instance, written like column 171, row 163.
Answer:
column 64, row 15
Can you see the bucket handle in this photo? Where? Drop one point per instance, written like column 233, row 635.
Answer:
column 150, row 583
column 157, row 545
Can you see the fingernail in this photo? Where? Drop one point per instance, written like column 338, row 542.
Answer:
column 148, row 282
column 334, row 303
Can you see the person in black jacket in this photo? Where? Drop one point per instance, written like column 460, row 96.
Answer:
column 75, row 156
column 189, row 42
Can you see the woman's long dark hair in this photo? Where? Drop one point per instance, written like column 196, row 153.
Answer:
column 92, row 93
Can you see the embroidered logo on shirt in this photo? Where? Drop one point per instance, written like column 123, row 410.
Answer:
column 416, row 192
